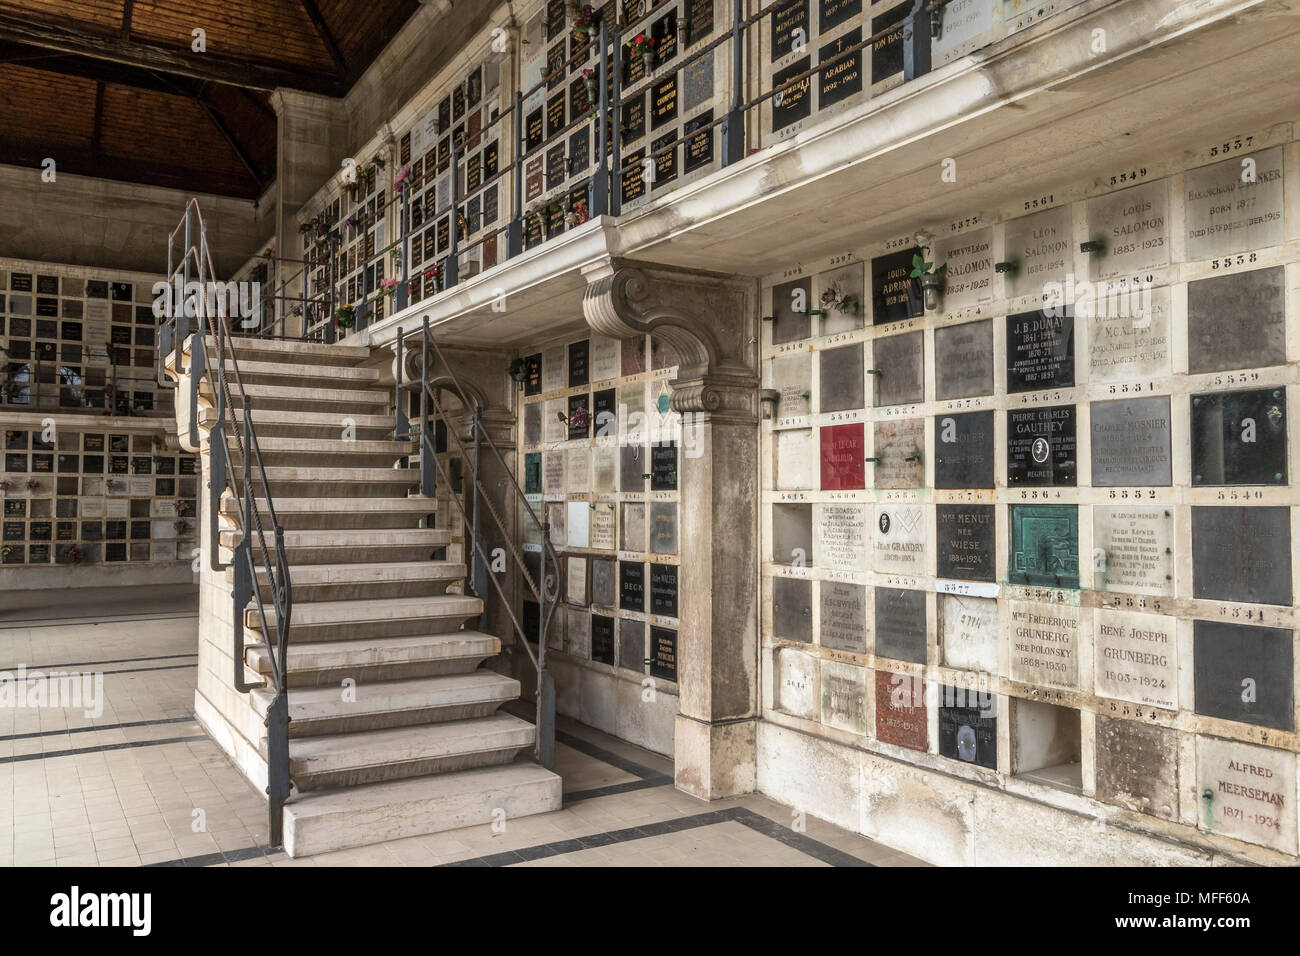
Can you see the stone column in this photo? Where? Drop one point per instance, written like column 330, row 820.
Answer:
column 711, row 321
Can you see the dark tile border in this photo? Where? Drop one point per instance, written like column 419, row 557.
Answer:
column 649, row 777
column 129, row 745
column 94, row 727
column 221, row 856
column 120, row 660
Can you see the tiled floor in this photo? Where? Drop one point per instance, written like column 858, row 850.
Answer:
column 139, row 783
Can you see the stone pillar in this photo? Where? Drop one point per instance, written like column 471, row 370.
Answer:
column 711, row 321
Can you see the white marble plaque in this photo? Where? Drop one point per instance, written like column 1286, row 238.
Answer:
column 631, row 412
column 97, row 310
column 577, row 634
column 578, row 521
column 92, row 486
column 791, row 376
column 575, row 579
column 968, row 631
column 1133, row 228
column 603, row 358
column 159, row 508
column 578, row 466
column 844, row 697
column 163, row 551
column 163, row 529
column 117, row 508
column 555, row 515
column 900, row 539
column 141, row 487
column 602, row 527
column 1126, row 348
column 633, row 526
column 1132, row 549
column 604, row 469
column 969, row 258
column 795, row 679
column 841, row 292
column 840, row 540
column 1042, row 247
column 797, row 462
column 1044, row 641
column 1135, row 658
column 967, row 25
column 1252, row 792
column 553, row 473
column 531, row 533
column 553, row 427
column 92, row 507
column 1234, row 205
column 555, row 374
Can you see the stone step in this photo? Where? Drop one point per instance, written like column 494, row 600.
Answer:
column 304, row 514
column 381, row 579
column 349, row 760
column 310, row 482
column 294, row 372
column 333, row 820
column 378, row 618
column 270, row 423
column 272, row 350
column 314, row 711
column 352, row 545
column 316, row 452
column 346, row 402
column 392, row 658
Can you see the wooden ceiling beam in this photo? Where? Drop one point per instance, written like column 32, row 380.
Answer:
column 228, row 134
column 128, row 8
column 327, row 38
column 209, row 66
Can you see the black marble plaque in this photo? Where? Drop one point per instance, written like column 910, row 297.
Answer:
column 1242, row 554
column 900, row 624
column 632, row 470
column 579, row 368
column 663, row 589
column 490, row 207
column 964, row 537
column 631, row 585
column 1244, row 673
column 665, row 157
column 533, row 374
column 790, row 311
column 793, row 103
column 1237, row 321
column 968, row 726
column 963, row 450
column 831, row 13
column 664, row 34
column 843, row 78
column 556, row 170
column 663, row 653
column 1042, row 446
column 631, row 644
column 555, row 57
column 15, row 462
column 604, row 412
column 894, row 293
column 579, row 151
column 534, row 130
column 579, row 416
column 844, row 616
column 633, row 118
column 789, row 28
column 555, row 114
column 699, row 148
column 632, row 181
column 700, row 19
column 887, row 50
column 1040, row 351
column 602, row 639
column 555, row 18
column 1239, row 438
column 663, row 100
column 1131, row 442
column 15, row 530
column 663, row 467
column 792, row 609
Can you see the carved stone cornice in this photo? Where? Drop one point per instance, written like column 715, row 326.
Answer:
column 708, row 318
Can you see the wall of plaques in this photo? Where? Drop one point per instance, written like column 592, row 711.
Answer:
column 599, row 458
column 1041, row 536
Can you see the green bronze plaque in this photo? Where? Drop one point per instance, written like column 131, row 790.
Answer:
column 1044, row 545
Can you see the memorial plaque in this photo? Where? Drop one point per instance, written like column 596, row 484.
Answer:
column 1242, row 554
column 894, row 293
column 1040, row 350
column 899, row 445
column 1042, row 447
column 604, row 461
column 578, row 466
column 841, row 378
column 633, row 176
column 1136, row 658
column 1137, row 766
column 631, row 585
column 578, row 522
column 556, row 171
column 1124, row 347
column 632, row 399
column 697, row 82
column 964, row 539
column 579, row 150
column 843, row 78
column 553, row 369
column 663, row 467
column 968, row 726
column 900, row 625
column 968, row 269
column 1131, row 442
column 602, row 639
column 604, row 359
column 555, row 116
column 532, row 423
column 631, row 468
column 963, row 360
column 663, row 590
column 663, row 653
column 663, row 98
column 533, row 473
column 843, row 617
column 842, row 457
column 631, row 645
column 1239, row 438
column 1244, row 673
column 792, row 103
column 602, row 582
column 602, row 526
column 844, row 697
column 633, row 118
column 1252, row 792
column 1225, row 214
column 792, row 534
column 901, row 717
column 796, row 460
column 699, row 148
column 15, row 530
column 1044, row 643
column 791, row 376
column 1133, row 227
column 967, row 26
column 841, row 540
column 534, row 130
column 1044, row 548
column 899, row 361
column 842, row 298
column 575, row 580
column 634, row 68
column 968, row 632
column 579, row 423
column 553, row 473
column 665, row 157
column 789, row 28
column 1132, row 549
column 576, row 641
column 663, row 527
column 963, row 450
column 900, row 539
column 1252, row 305
column 634, row 526
column 790, row 305
column 792, row 609
column 794, row 683
column 1042, row 247
column 700, row 19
